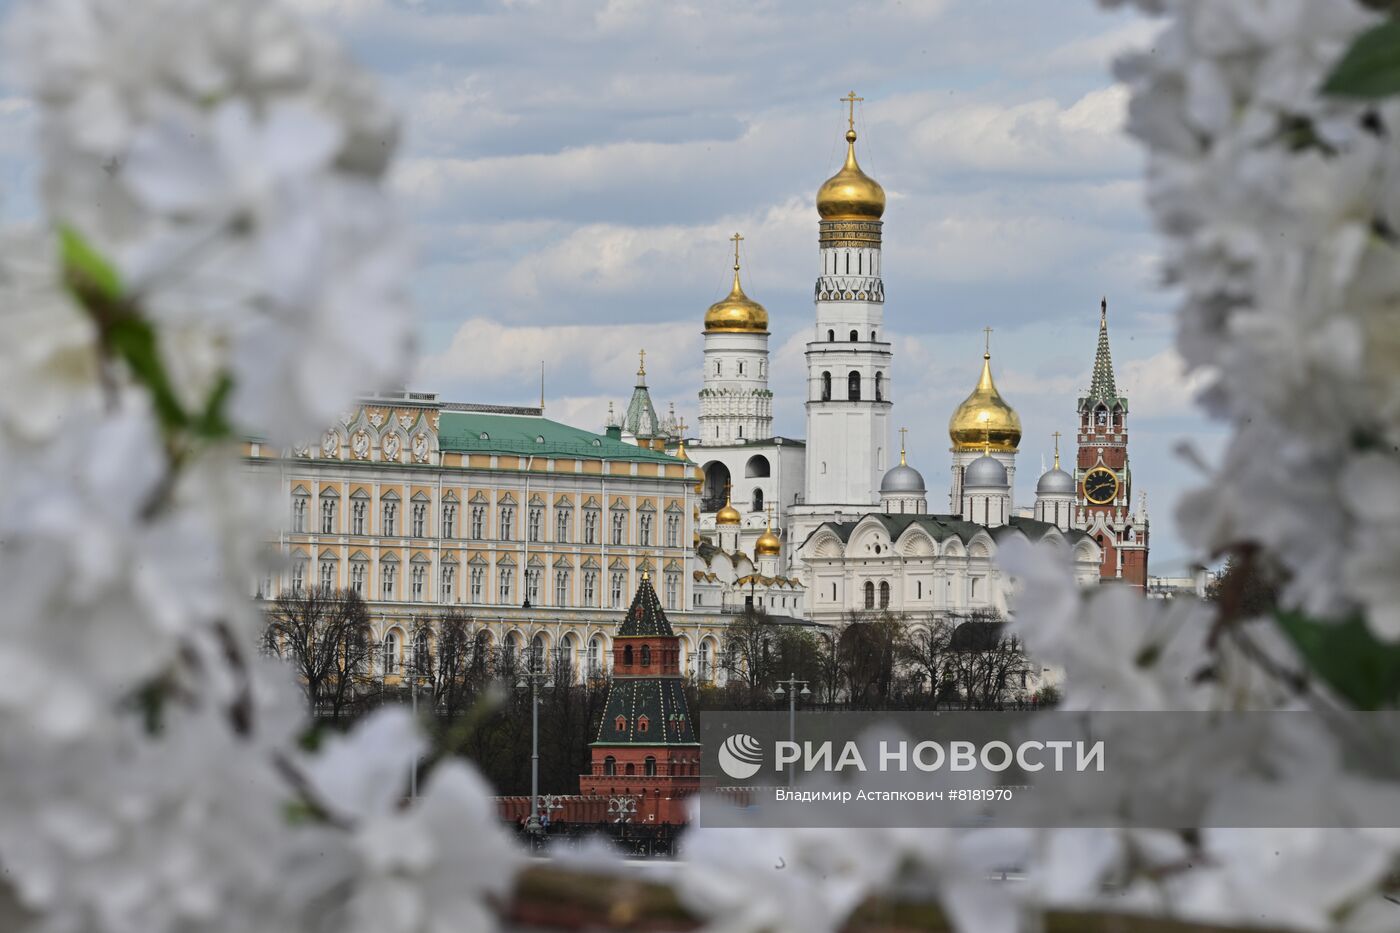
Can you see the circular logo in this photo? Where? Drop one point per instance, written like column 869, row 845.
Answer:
column 741, row 756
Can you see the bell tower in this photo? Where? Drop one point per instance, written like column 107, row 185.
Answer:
column 1103, row 479
column 849, row 389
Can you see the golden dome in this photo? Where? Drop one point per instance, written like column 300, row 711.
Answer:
column 984, row 420
column 727, row 515
column 736, row 313
column 850, row 194
column 767, row 544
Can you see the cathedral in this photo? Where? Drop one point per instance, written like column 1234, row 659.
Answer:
column 830, row 517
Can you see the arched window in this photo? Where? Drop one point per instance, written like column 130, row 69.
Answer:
column 566, row 656
column 620, row 723
column 649, row 766
column 831, row 336
column 643, row 724
column 855, row 336
column 757, row 466
column 646, row 655
column 704, row 660
column 879, row 387
column 627, row 656
column 884, row 594
column 610, row 765
column 758, row 500
column 631, row 768
column 869, row 595
column 595, row 657
column 391, row 653
column 826, row 387
column 853, row 386
column 872, row 336
column 537, row 653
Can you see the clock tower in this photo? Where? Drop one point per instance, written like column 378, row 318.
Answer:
column 1103, row 479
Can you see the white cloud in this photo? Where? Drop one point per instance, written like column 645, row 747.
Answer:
column 1159, row 387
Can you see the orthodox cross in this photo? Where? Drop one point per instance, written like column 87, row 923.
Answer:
column 852, row 100
column 988, row 348
column 681, row 427
column 1057, row 450
column 642, row 364
column 902, row 432
column 736, row 238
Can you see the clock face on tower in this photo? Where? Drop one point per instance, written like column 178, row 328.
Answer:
column 1100, row 485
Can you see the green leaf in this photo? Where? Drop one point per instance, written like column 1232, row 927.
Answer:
column 1371, row 67
column 134, row 341
column 1348, row 658
column 87, row 272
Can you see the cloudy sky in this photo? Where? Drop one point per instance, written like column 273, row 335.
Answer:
column 573, row 171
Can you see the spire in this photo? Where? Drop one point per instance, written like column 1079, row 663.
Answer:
column 645, row 617
column 640, row 420
column 641, row 367
column 1102, row 388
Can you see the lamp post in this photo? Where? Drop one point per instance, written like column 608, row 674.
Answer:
column 792, row 683
column 532, row 677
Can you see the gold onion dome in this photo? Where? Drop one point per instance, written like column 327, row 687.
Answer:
column 850, row 194
column 984, row 419
column 728, row 515
column 767, row 544
column 736, row 313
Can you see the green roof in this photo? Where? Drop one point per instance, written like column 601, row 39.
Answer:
column 488, row 432
column 942, row 527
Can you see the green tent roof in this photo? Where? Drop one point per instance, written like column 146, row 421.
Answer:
column 488, row 432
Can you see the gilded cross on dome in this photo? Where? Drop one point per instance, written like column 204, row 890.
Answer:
column 987, row 347
column 737, row 237
column 852, row 100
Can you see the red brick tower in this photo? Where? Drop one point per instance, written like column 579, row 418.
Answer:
column 1104, row 482
column 646, row 748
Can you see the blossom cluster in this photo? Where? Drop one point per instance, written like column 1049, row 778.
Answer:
column 218, row 255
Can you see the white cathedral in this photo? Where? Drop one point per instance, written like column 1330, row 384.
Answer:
column 827, row 527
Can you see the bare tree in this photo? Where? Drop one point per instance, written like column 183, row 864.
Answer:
column 988, row 666
column 928, row 653
column 869, row 649
column 325, row 635
column 747, row 656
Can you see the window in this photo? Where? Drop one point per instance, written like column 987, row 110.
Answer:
column 422, row 654
column 590, row 526
column 879, row 387
column 449, row 520
column 884, row 594
column 357, row 576
column 853, row 386
column 590, row 587
column 477, row 583
column 564, row 656
column 561, row 525
column 619, row 526
column 595, row 657
column 649, row 766
column 507, row 584
column 535, row 522
column 644, row 529
column 627, row 656
column 704, row 660
column 390, row 653
column 358, row 508
column 387, row 574
column 327, row 515
column 420, row 519
column 826, row 387
column 631, row 768
column 620, row 723
column 299, row 506
column 855, row 336
column 391, row 515
column 673, row 531
column 757, row 500
column 420, row 579
column 618, row 580
column 646, row 655
column 537, row 653
column 327, row 573
column 974, row 588
column 478, row 522
column 741, row 367
column 507, row 522
column 532, row 585
column 673, row 589
column 561, row 587
column 869, row 595
column 298, row 574
column 609, row 766
column 449, row 583
column 831, row 336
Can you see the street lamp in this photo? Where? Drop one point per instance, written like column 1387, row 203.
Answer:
column 532, row 678
column 792, row 683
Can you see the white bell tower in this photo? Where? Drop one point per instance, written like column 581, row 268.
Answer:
column 849, row 388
